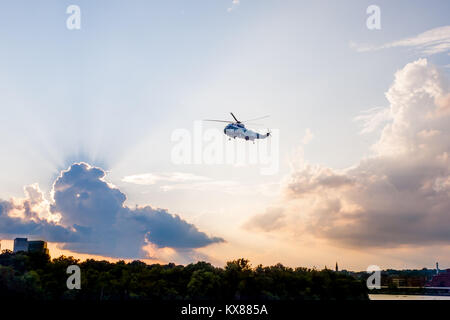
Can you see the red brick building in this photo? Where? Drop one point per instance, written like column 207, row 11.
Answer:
column 442, row 279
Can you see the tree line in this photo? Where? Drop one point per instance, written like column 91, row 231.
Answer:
column 34, row 276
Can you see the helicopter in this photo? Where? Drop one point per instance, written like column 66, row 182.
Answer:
column 236, row 129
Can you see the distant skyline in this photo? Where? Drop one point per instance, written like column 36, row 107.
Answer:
column 363, row 118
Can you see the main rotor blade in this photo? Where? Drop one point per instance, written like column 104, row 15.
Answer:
column 234, row 117
column 218, row 120
column 259, row 118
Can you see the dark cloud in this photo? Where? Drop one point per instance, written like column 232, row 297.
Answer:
column 85, row 198
column 94, row 219
column 37, row 227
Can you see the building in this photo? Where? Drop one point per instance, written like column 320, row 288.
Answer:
column 22, row 244
column 37, row 246
column 441, row 279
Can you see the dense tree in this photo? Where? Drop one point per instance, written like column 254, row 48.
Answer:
column 35, row 276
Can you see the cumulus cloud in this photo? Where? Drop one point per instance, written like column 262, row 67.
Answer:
column 234, row 4
column 400, row 195
column 88, row 215
column 430, row 42
column 313, row 179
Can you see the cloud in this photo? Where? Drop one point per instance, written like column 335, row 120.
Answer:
column 400, row 195
column 32, row 216
column 373, row 119
column 182, row 181
column 307, row 138
column 443, row 104
column 93, row 219
column 153, row 178
column 234, row 4
column 313, row 179
column 227, row 186
column 272, row 219
column 430, row 42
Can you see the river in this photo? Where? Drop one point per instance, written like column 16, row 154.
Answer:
column 405, row 297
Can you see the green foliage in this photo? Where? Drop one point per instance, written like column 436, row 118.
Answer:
column 34, row 276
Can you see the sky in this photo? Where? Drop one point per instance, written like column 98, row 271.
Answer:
column 104, row 152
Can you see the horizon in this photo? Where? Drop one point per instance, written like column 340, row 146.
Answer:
column 56, row 252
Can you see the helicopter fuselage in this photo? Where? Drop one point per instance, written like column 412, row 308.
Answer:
column 238, row 130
